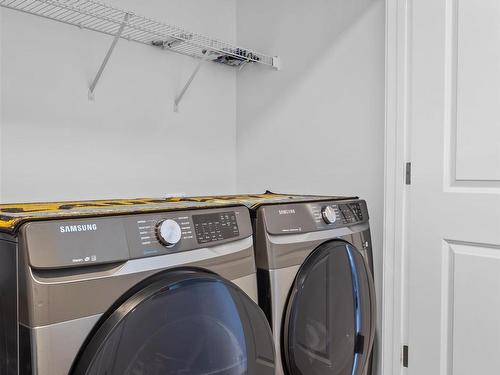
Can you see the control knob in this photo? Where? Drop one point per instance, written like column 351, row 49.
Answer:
column 169, row 232
column 329, row 215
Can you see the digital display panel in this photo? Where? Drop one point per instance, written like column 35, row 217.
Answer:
column 351, row 213
column 215, row 227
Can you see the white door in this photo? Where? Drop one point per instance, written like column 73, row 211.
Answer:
column 454, row 197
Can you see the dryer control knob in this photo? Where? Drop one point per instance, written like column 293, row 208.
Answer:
column 329, row 215
column 169, row 232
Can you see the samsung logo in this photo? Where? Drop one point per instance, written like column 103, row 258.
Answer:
column 78, row 228
column 286, row 212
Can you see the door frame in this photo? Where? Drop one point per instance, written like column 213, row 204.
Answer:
column 396, row 190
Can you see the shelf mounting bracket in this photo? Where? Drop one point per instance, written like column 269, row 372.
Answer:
column 108, row 55
column 190, row 80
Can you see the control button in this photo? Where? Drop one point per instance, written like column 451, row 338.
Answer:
column 329, row 215
column 169, row 232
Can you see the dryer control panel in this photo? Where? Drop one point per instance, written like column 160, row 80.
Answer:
column 312, row 217
column 347, row 213
column 81, row 242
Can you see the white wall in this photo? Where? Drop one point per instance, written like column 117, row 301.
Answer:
column 57, row 145
column 316, row 126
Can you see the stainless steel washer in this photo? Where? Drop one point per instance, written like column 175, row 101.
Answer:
column 151, row 293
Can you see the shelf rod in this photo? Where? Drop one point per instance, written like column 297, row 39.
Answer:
column 108, row 55
column 190, row 80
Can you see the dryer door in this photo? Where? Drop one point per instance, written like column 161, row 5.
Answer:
column 329, row 322
column 182, row 322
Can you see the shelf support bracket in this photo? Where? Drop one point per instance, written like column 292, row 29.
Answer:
column 108, row 55
column 190, row 80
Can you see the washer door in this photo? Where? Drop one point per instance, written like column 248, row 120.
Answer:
column 329, row 322
column 184, row 322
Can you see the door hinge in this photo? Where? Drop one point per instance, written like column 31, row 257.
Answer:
column 408, row 174
column 405, row 356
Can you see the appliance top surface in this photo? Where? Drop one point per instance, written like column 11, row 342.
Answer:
column 82, row 242
column 12, row 216
column 296, row 218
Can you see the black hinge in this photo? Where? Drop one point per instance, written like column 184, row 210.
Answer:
column 408, row 174
column 405, row 356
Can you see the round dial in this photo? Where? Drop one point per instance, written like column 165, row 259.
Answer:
column 169, row 232
column 329, row 215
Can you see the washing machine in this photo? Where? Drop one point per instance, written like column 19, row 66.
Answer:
column 100, row 289
column 316, row 283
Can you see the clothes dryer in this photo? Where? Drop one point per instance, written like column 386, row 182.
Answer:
column 316, row 285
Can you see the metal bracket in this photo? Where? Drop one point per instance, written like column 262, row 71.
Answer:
column 108, row 55
column 190, row 80
column 243, row 65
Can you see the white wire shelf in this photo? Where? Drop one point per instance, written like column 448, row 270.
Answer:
column 100, row 17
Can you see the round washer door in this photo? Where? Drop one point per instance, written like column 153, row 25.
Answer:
column 328, row 328
column 184, row 322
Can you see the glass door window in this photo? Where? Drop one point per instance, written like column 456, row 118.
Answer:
column 328, row 326
column 188, row 323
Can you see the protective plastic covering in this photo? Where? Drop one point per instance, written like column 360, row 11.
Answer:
column 13, row 215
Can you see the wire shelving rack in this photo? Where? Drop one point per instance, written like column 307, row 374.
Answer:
column 123, row 24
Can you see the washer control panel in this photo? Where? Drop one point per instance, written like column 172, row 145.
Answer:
column 311, row 217
column 89, row 241
column 215, row 226
column 157, row 234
